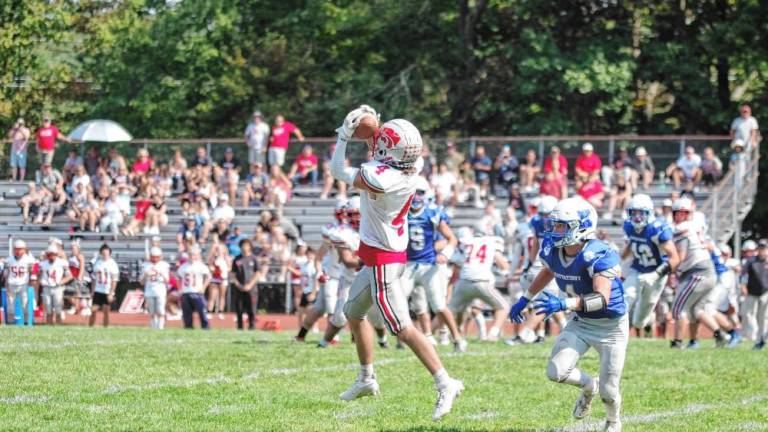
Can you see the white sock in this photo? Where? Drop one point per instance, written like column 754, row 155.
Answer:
column 561, row 322
column 366, row 372
column 441, row 377
column 161, row 322
column 153, row 322
column 495, row 332
column 540, row 333
column 383, row 339
column 480, row 321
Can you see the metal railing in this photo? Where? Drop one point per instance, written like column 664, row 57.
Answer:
column 732, row 199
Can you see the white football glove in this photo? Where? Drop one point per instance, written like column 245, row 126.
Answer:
column 648, row 279
column 352, row 121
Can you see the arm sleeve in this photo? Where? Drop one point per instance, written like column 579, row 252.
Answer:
column 606, row 263
column 338, row 169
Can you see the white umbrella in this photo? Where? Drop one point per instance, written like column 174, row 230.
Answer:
column 100, row 130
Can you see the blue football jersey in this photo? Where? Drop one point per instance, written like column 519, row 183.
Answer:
column 575, row 278
column 717, row 260
column 422, row 232
column 645, row 244
column 537, row 225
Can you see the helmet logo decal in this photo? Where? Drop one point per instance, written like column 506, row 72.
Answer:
column 390, row 137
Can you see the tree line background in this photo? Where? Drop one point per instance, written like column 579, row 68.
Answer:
column 500, row 67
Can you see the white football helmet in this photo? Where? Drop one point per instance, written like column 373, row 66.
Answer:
column 397, row 144
column 547, row 204
column 423, row 196
column 353, row 212
column 463, row 232
column 640, row 211
column 340, row 211
column 483, row 227
column 573, row 221
column 682, row 204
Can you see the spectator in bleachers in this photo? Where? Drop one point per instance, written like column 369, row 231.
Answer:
column 557, row 165
column 71, row 163
column 223, row 211
column 50, row 178
column 143, row 163
column 227, row 174
column 507, row 167
column 279, row 191
column 482, row 165
column 116, row 163
column 256, row 186
column 177, row 169
column 19, row 136
column 429, row 162
column 516, row 201
column 529, row 171
column 53, row 204
column 621, row 193
column 79, row 176
column 745, row 128
column 711, row 167
column 592, row 190
column 304, row 168
column 141, row 205
column 644, row 166
column 232, row 240
column 686, row 169
column 123, row 177
column 47, row 135
column 92, row 161
column 113, row 215
column 189, row 229
column 445, row 184
column 738, row 159
column 328, row 180
column 256, row 136
column 623, row 165
column 278, row 142
column 453, row 159
column 201, row 158
column 156, row 215
column 588, row 163
column 31, row 200
column 551, row 185
column 468, row 188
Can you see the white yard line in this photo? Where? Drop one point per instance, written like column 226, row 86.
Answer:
column 659, row 415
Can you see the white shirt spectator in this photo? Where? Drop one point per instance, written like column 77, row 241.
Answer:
column 257, row 134
column 85, row 179
column 689, row 164
column 223, row 211
column 444, row 183
column 742, row 129
column 124, row 202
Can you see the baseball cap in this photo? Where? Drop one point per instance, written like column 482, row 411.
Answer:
column 228, row 150
column 155, row 251
column 20, row 244
column 190, row 218
column 257, row 113
column 738, row 142
column 20, row 120
column 640, row 151
column 749, row 245
column 52, row 249
column 223, row 197
column 587, row 147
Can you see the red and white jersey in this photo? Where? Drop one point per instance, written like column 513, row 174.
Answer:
column 690, row 237
column 104, row 274
column 331, row 264
column 384, row 213
column 156, row 278
column 476, row 256
column 192, row 275
column 347, row 238
column 52, row 273
column 19, row 270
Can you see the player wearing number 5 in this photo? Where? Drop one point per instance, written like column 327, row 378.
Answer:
column 650, row 243
column 588, row 271
column 387, row 186
column 105, row 277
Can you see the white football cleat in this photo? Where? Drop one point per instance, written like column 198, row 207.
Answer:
column 584, row 402
column 460, row 346
column 445, row 397
column 361, row 389
column 612, row 426
column 431, row 339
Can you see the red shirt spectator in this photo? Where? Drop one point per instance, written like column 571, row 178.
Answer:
column 306, row 163
column 592, row 191
column 588, row 162
column 555, row 158
column 142, row 204
column 551, row 186
column 47, row 135
column 281, row 134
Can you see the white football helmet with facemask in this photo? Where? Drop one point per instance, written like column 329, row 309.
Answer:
column 397, row 144
column 423, row 196
column 640, row 211
column 573, row 221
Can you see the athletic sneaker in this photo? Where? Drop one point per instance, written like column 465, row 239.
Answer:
column 361, row 389
column 298, row 339
column 460, row 346
column 721, row 341
column 736, row 339
column 445, row 397
column 760, row 345
column 513, row 341
column 444, row 335
column 399, row 345
column 694, row 344
column 383, row 344
column 676, row 344
column 539, row 340
column 612, row 426
column 584, row 402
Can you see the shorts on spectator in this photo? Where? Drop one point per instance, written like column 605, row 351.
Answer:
column 18, row 160
column 46, row 157
column 276, row 156
column 255, row 155
column 100, row 299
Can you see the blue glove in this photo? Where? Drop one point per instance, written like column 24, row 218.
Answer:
column 516, row 312
column 548, row 304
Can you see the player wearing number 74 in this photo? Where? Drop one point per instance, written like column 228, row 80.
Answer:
column 387, row 185
column 588, row 270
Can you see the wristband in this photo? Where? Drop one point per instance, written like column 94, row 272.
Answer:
column 447, row 251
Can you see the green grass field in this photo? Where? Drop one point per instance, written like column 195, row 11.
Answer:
column 75, row 378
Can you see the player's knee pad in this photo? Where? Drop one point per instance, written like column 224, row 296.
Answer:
column 558, row 372
column 339, row 319
column 609, row 393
